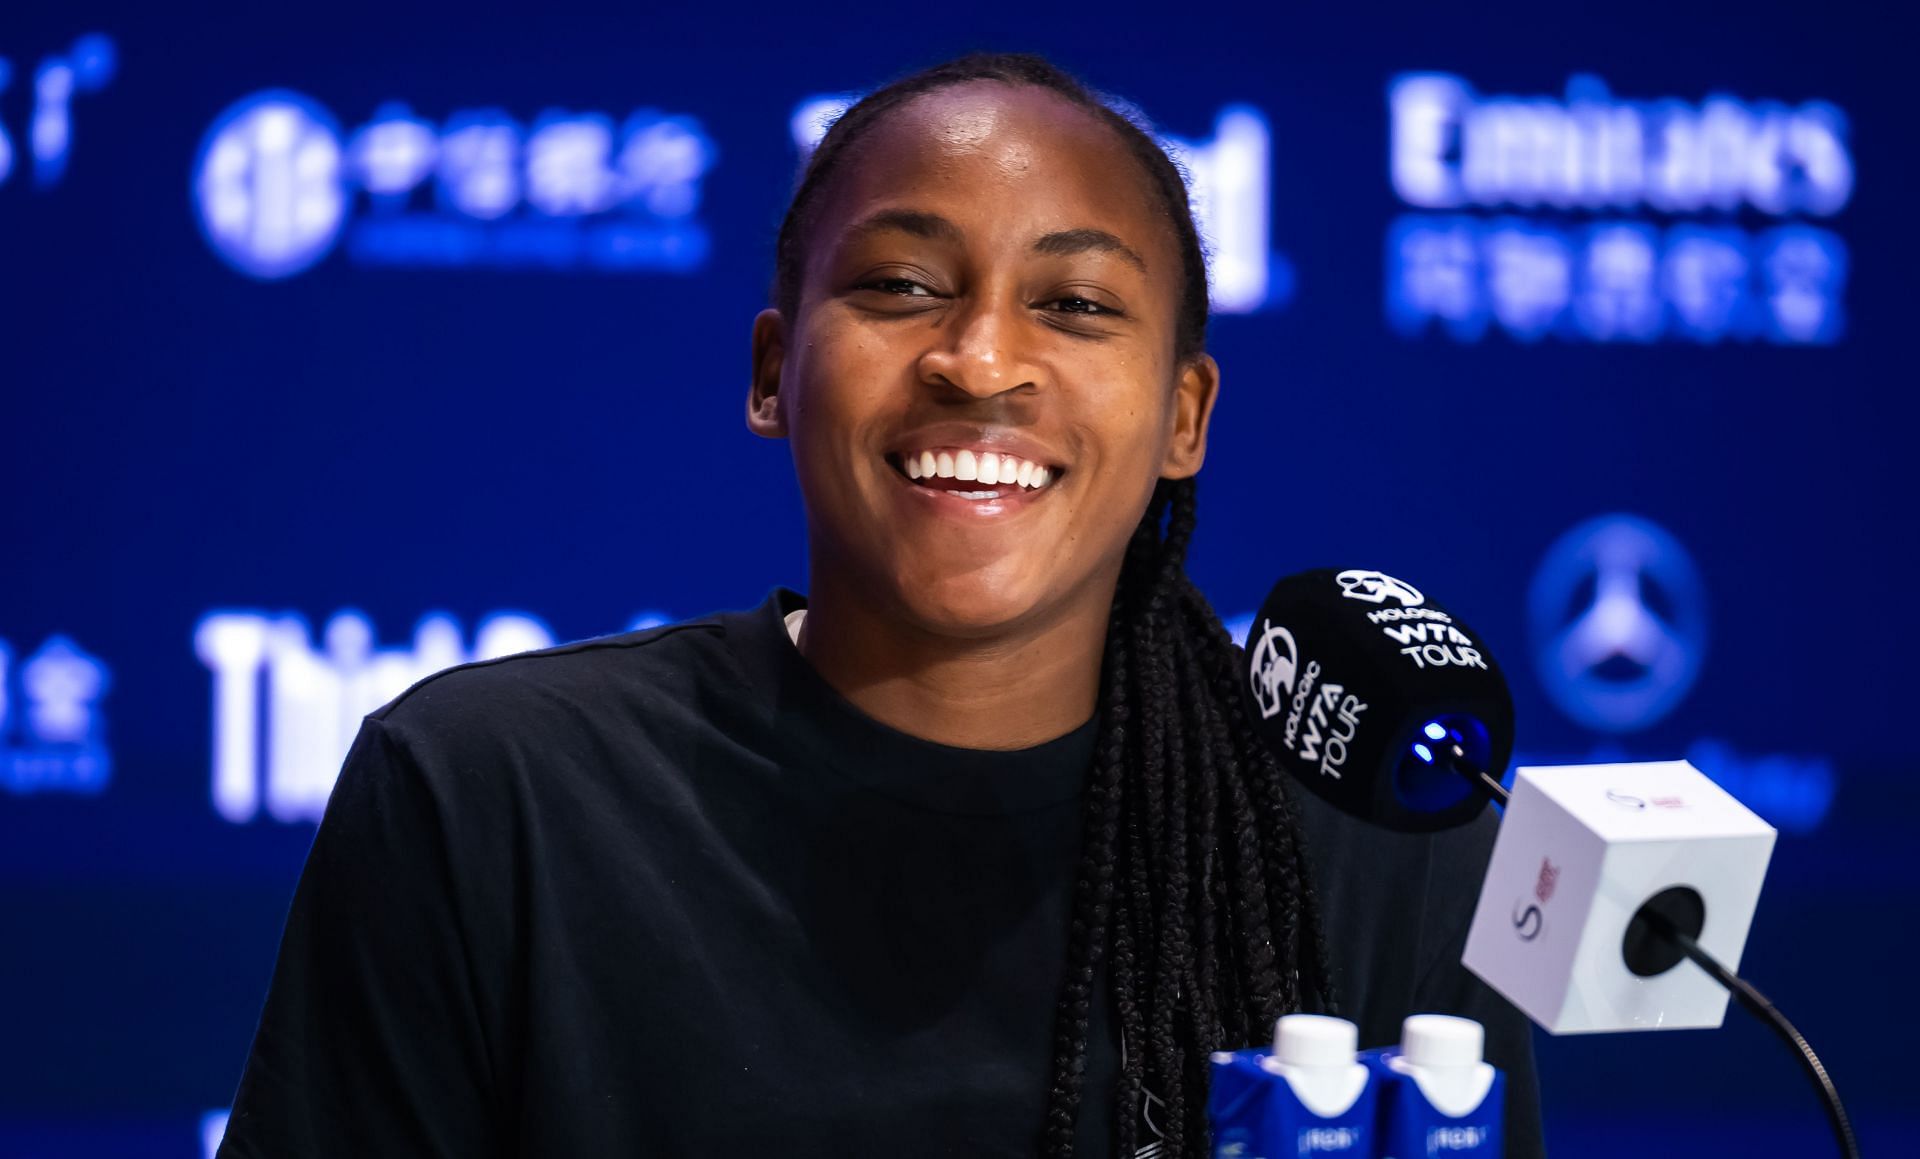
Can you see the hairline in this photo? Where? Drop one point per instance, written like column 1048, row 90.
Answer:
column 1115, row 122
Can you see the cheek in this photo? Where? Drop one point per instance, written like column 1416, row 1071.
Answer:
column 826, row 391
column 1126, row 447
column 842, row 391
column 1134, row 429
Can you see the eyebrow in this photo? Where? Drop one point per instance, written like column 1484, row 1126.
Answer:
column 1060, row 243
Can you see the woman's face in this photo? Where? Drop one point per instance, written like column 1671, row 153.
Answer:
column 980, row 385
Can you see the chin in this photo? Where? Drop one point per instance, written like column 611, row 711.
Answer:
column 971, row 604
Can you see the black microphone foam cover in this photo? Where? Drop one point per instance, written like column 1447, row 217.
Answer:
column 1360, row 685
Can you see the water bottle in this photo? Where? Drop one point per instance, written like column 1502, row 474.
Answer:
column 1310, row 1096
column 1438, row 1098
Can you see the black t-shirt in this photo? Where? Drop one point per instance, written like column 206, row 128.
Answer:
column 667, row 893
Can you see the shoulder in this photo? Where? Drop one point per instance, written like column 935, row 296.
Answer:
column 526, row 699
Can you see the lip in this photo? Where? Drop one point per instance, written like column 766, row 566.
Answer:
column 949, row 504
column 976, row 438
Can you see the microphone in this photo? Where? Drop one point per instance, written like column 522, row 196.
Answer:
column 1363, row 686
column 1603, row 878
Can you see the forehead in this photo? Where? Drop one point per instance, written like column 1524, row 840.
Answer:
column 999, row 158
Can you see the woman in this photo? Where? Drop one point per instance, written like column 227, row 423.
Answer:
column 972, row 850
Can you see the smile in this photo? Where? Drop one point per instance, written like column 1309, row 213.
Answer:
column 978, row 476
column 984, row 480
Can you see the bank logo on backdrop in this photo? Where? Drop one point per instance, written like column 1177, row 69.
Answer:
column 85, row 67
column 278, row 183
column 1228, row 182
column 52, row 731
column 268, row 187
column 1617, row 614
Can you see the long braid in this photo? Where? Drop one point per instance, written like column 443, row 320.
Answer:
column 1129, row 1003
column 1163, row 785
column 1133, row 934
column 1187, row 686
column 1193, row 889
column 1092, row 906
column 1203, row 852
column 1287, row 861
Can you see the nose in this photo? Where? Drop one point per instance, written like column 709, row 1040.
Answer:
column 982, row 349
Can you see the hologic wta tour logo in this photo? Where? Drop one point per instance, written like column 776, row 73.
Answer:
column 1275, row 665
column 1432, row 641
column 1376, row 587
column 278, row 183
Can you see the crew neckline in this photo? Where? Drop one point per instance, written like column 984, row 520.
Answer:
column 803, row 709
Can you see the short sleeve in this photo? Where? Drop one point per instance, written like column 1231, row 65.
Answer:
column 370, row 1041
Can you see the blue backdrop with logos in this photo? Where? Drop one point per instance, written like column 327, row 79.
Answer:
column 346, row 344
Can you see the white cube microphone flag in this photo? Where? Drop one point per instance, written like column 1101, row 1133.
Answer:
column 1618, row 897
column 1376, row 697
column 1580, row 851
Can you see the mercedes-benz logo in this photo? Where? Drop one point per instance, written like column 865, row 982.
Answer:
column 1618, row 620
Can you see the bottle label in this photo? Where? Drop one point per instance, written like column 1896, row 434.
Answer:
column 1256, row 1115
column 1411, row 1127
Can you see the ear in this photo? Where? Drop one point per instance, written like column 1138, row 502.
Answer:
column 765, row 416
column 1193, row 395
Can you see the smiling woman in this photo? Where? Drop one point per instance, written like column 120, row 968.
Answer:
column 971, row 850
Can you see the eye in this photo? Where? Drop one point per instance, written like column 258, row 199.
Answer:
column 903, row 287
column 1086, row 307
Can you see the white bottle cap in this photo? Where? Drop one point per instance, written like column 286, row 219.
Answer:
column 1441, row 1042
column 1314, row 1040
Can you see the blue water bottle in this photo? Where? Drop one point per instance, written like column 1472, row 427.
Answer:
column 1438, row 1098
column 1310, row 1096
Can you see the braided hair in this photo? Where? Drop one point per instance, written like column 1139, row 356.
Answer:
column 1192, row 886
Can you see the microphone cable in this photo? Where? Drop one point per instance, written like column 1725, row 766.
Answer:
column 1743, row 991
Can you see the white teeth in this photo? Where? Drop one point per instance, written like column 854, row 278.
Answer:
column 986, row 467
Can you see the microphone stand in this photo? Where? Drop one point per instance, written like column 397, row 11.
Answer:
column 1653, row 919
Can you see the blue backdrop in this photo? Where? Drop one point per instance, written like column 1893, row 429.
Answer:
column 343, row 344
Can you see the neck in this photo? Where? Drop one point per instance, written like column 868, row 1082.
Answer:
column 1008, row 690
